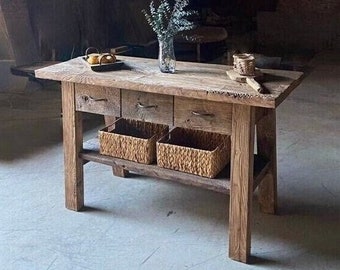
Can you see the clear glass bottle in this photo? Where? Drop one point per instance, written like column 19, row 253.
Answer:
column 166, row 57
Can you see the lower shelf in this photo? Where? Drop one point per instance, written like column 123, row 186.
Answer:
column 219, row 184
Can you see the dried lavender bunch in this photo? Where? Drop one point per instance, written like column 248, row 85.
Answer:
column 167, row 21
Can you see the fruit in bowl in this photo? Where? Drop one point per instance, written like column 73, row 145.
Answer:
column 93, row 58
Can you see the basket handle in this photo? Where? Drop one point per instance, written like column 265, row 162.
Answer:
column 101, row 57
column 142, row 106
column 197, row 113
column 89, row 98
column 89, row 49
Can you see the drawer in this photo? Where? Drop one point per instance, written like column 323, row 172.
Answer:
column 203, row 115
column 97, row 99
column 148, row 107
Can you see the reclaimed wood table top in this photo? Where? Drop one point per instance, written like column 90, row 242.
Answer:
column 193, row 80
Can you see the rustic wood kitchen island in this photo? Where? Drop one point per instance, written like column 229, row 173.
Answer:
column 198, row 96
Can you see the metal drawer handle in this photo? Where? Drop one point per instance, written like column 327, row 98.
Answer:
column 89, row 98
column 202, row 114
column 141, row 106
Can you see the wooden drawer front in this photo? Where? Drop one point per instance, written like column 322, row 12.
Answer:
column 204, row 115
column 147, row 106
column 96, row 99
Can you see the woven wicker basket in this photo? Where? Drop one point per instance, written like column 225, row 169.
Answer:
column 131, row 139
column 194, row 151
column 244, row 64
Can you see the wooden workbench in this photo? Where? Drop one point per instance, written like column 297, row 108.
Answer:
column 141, row 91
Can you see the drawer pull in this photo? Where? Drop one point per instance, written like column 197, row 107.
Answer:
column 89, row 98
column 142, row 106
column 202, row 114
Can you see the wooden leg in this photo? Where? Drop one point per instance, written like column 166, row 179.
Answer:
column 241, row 191
column 116, row 170
column 198, row 52
column 119, row 171
column 266, row 147
column 73, row 143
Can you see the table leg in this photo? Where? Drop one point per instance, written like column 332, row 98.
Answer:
column 73, row 143
column 266, row 147
column 116, row 170
column 241, row 191
column 198, row 52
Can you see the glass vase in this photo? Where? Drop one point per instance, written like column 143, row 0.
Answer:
column 166, row 57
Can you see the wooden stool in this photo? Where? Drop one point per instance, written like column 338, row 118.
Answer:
column 202, row 35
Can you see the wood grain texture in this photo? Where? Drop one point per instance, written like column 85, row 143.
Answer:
column 141, row 82
column 96, row 99
column 241, row 193
column 116, row 170
column 73, row 143
column 219, row 184
column 216, row 184
column 119, row 171
column 266, row 147
column 201, row 114
column 147, row 107
column 109, row 119
column 195, row 80
column 250, row 80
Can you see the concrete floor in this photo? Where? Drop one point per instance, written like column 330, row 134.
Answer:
column 136, row 223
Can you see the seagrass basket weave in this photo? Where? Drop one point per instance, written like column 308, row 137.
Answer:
column 194, row 151
column 131, row 139
column 244, row 64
